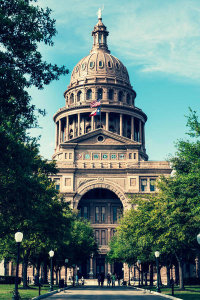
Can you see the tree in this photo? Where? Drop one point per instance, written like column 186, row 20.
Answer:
column 165, row 221
column 23, row 26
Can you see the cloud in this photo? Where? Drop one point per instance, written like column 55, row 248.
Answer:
column 155, row 35
column 165, row 39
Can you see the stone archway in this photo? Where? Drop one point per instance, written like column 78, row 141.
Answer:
column 100, row 183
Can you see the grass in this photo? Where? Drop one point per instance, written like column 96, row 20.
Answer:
column 191, row 292
column 26, row 294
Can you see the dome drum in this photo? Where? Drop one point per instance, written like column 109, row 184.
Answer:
column 82, row 95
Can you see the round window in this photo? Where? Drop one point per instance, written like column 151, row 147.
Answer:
column 76, row 69
column 100, row 138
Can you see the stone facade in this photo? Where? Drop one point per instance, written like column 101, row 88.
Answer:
column 102, row 161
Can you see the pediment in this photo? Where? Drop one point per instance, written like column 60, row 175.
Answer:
column 102, row 136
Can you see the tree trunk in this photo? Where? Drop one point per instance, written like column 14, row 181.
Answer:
column 45, row 275
column 24, row 273
column 168, row 276
column 176, row 274
column 145, row 279
column 181, row 276
column 151, row 274
column 59, row 273
column 57, row 276
column 142, row 277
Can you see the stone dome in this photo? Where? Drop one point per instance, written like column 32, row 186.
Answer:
column 100, row 63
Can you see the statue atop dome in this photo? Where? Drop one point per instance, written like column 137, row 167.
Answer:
column 99, row 13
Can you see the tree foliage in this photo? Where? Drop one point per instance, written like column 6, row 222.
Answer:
column 169, row 220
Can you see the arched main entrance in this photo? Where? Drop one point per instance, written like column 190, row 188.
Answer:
column 103, row 209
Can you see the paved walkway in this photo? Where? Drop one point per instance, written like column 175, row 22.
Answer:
column 104, row 293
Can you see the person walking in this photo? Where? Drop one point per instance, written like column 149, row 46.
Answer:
column 113, row 278
column 99, row 279
column 102, row 278
column 108, row 279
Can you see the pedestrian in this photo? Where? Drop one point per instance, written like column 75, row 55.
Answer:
column 77, row 279
column 118, row 278
column 102, row 278
column 108, row 279
column 82, row 280
column 99, row 279
column 113, row 278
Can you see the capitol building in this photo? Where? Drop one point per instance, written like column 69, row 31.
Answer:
column 100, row 147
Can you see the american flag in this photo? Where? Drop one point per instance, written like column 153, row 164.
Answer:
column 95, row 103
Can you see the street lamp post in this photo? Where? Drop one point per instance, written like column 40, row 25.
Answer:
column 51, row 254
column 139, row 263
column 18, row 239
column 157, row 254
column 198, row 240
column 66, row 262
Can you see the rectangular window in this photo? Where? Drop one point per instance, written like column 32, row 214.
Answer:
column 66, row 155
column 130, row 155
column 96, row 214
column 103, row 237
column 103, row 214
column 96, row 156
column 97, row 236
column 114, row 214
column 67, row 181
column 152, row 185
column 70, row 155
column 132, row 181
column 57, row 183
column 85, row 212
column 134, row 155
column 144, row 185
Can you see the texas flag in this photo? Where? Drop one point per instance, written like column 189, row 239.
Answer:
column 95, row 103
column 96, row 112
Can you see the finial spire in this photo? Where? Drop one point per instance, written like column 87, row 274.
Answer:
column 99, row 13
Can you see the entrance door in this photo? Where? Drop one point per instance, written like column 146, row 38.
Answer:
column 100, row 265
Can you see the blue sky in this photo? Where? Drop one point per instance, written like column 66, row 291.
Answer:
column 159, row 43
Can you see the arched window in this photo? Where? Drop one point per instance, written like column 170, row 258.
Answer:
column 128, row 99
column 89, row 94
column 79, row 96
column 110, row 94
column 72, row 98
column 120, row 96
column 99, row 94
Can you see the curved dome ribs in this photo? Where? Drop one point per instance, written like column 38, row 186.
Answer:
column 100, row 75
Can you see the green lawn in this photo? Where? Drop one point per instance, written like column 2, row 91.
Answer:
column 191, row 292
column 6, row 291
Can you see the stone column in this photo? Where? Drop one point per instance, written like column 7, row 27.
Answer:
column 56, row 134
column 107, row 120
column 74, row 126
column 67, row 128
column 83, row 118
column 109, row 268
column 59, row 133
column 91, row 274
column 120, row 125
column 143, row 134
column 78, row 124
column 132, row 128
column 140, row 131
column 92, row 123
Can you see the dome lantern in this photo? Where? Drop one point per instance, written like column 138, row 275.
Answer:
column 100, row 35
